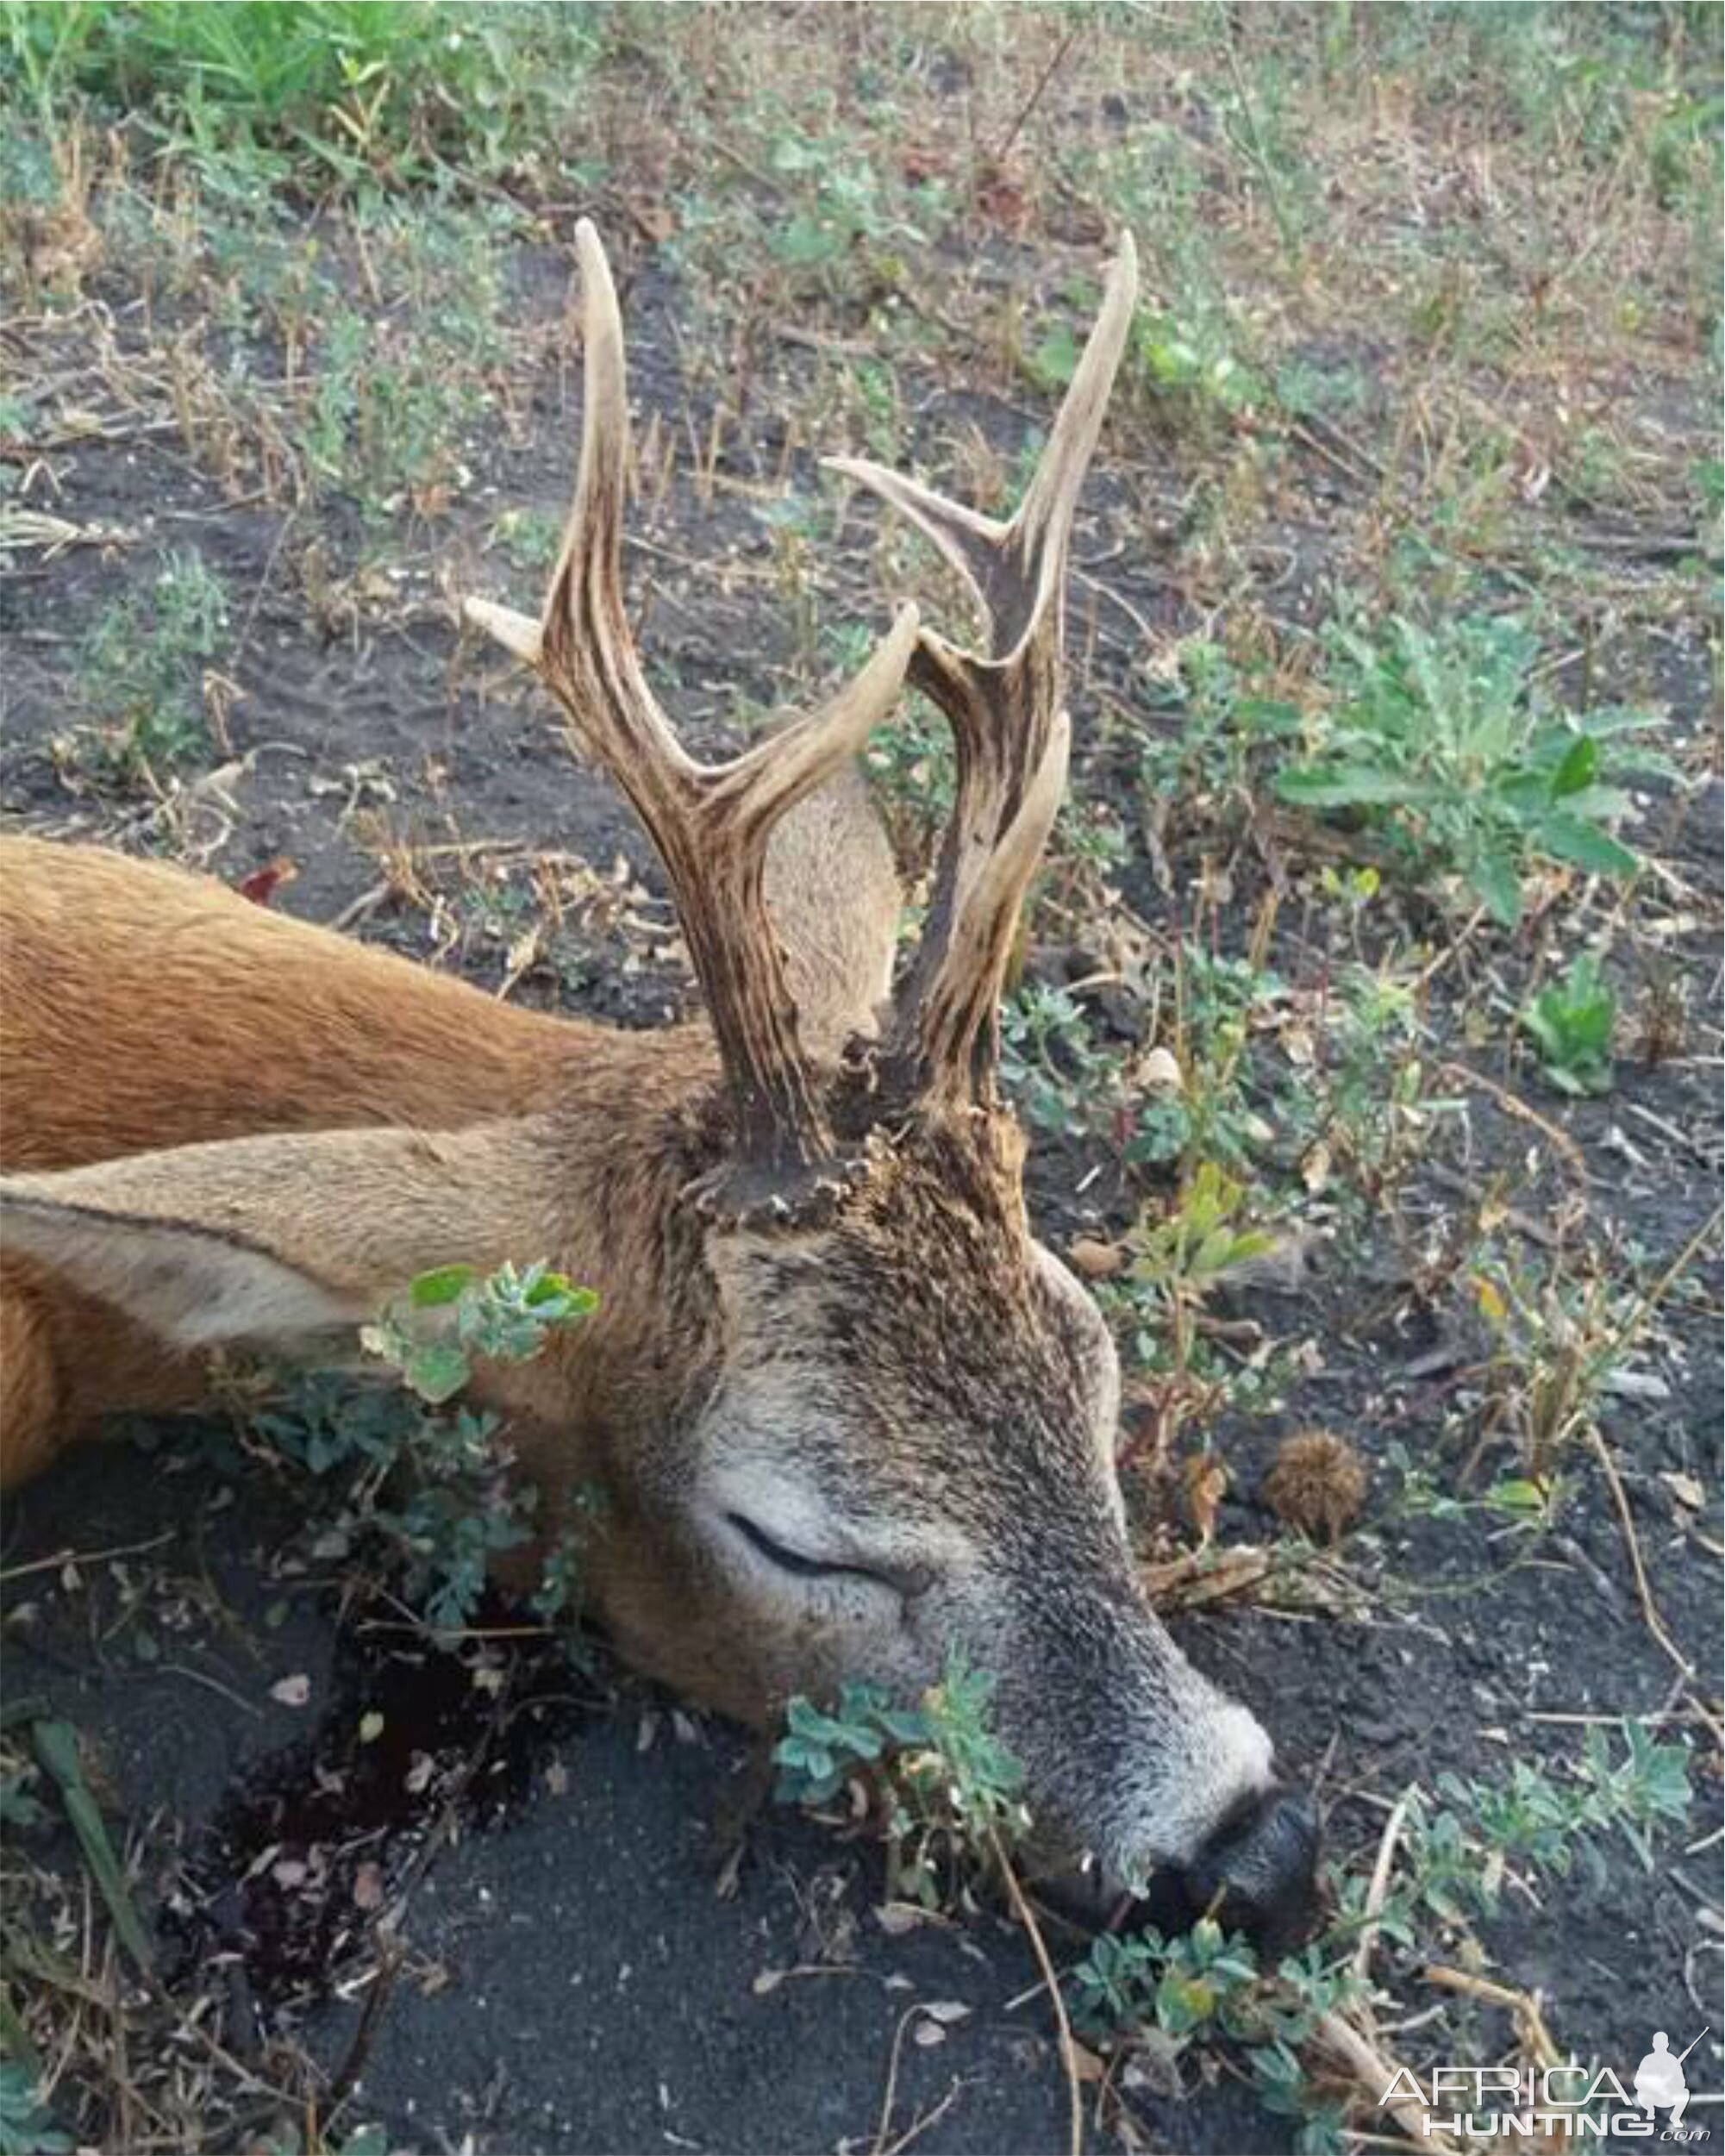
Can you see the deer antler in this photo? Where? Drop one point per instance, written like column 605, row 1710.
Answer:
column 710, row 824
column 1005, row 711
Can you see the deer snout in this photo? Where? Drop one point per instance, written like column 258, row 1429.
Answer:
column 1257, row 1873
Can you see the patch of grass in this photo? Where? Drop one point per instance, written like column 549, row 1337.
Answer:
column 140, row 671
column 1554, row 1340
column 1572, row 1022
column 324, row 96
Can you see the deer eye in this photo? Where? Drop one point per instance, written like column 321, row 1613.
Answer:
column 801, row 1567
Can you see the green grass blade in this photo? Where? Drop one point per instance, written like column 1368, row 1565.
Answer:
column 57, row 1749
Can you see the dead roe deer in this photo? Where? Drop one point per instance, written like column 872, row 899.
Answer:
column 846, row 1413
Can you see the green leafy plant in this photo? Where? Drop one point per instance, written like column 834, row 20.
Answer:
column 1190, row 362
column 1182, row 1255
column 1457, row 1855
column 25, row 2128
column 1208, row 1115
column 953, row 1792
column 454, row 1314
column 330, row 92
column 1051, row 1062
column 1453, row 1859
column 1206, row 1984
column 1218, row 731
column 841, row 202
column 140, row 668
column 1447, row 741
column 1571, row 1022
column 1368, row 1107
column 1554, row 1340
column 435, row 1482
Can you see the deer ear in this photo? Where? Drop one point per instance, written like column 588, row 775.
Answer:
column 277, row 1239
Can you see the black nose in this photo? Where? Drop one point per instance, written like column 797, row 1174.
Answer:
column 1258, row 1871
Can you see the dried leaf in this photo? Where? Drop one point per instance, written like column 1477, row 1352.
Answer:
column 654, row 218
column 896, row 1918
column 1685, row 1489
column 1203, row 1481
column 1095, row 1260
column 525, row 951
column 368, row 1886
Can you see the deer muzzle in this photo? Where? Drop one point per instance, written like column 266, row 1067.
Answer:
column 1257, row 1873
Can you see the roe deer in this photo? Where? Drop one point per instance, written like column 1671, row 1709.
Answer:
column 845, row 1413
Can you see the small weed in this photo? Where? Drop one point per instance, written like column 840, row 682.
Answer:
column 385, row 419
column 844, row 208
column 1205, row 1983
column 911, row 759
column 1457, row 1857
column 1219, row 728
column 1447, row 741
column 140, row 671
column 1571, row 1022
column 1553, row 1344
column 452, row 1315
column 1050, row 1062
column 437, row 1486
column 1189, row 365
column 26, row 2127
column 1454, row 1859
column 1210, row 1115
column 953, row 1791
column 531, row 538
column 1181, row 1257
column 1374, row 1110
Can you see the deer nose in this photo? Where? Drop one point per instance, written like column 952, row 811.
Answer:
column 1257, row 1873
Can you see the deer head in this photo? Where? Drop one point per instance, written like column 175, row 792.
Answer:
column 909, row 1440
column 848, row 1412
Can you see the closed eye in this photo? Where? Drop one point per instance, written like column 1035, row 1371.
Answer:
column 801, row 1567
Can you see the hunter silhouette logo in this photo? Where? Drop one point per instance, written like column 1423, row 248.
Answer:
column 1659, row 2084
column 1557, row 2102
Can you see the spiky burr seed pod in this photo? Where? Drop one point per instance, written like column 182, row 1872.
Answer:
column 1317, row 1482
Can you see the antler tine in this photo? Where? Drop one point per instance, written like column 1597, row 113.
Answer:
column 1005, row 708
column 710, row 824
